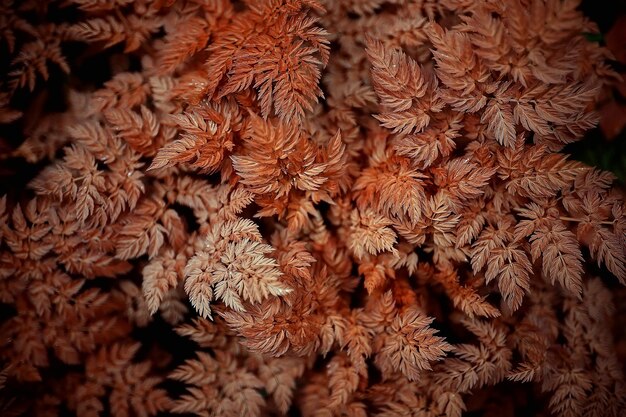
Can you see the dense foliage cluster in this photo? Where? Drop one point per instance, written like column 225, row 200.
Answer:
column 313, row 208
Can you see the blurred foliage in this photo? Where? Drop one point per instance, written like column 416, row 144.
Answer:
column 596, row 150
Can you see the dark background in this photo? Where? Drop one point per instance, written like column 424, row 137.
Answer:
column 595, row 149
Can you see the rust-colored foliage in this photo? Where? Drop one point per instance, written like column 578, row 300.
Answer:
column 306, row 207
